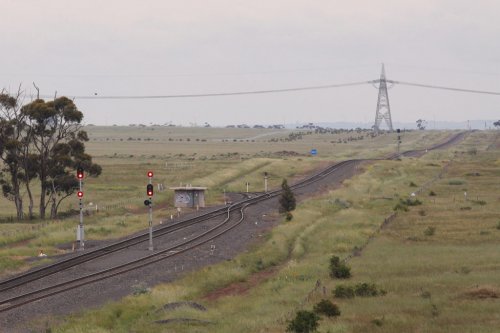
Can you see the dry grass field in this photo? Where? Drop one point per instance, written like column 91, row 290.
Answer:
column 437, row 261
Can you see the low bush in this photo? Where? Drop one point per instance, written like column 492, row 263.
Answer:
column 366, row 290
column 343, row 292
column 304, row 322
column 361, row 290
column 412, row 184
column 432, row 194
column 403, row 204
column 456, row 182
column 327, row 308
column 339, row 269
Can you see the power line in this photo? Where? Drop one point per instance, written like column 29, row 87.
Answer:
column 445, row 88
column 273, row 91
column 253, row 92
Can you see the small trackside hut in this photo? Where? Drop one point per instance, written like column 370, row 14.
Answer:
column 189, row 196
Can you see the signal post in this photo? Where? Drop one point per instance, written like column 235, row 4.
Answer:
column 149, row 203
column 80, row 233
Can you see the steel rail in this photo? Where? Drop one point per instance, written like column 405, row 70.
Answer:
column 30, row 297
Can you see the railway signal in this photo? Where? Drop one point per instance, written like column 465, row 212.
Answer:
column 399, row 138
column 149, row 203
column 79, row 173
column 265, row 182
column 80, row 235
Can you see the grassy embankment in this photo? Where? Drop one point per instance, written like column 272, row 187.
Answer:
column 432, row 279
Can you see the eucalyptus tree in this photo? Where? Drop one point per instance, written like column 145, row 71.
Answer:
column 58, row 140
column 12, row 148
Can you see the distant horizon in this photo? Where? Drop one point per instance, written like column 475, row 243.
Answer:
column 476, row 124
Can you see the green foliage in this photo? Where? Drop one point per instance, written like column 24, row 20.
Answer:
column 327, row 308
column 360, row 289
column 304, row 322
column 339, row 269
column 456, row 182
column 412, row 184
column 432, row 194
column 288, row 216
column 498, row 225
column 343, row 292
column 403, row 204
column 140, row 289
column 287, row 199
column 367, row 290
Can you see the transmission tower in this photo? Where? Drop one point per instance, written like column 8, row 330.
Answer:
column 383, row 107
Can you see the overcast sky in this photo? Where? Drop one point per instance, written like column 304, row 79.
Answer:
column 153, row 47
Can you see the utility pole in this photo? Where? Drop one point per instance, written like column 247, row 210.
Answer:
column 248, row 184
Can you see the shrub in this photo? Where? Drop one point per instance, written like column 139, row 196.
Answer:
column 366, row 290
column 339, row 269
column 287, row 199
column 327, row 308
column 456, row 182
column 429, row 231
column 360, row 289
column 343, row 292
column 412, row 184
column 304, row 322
column 288, row 216
column 422, row 212
column 400, row 206
column 432, row 194
column 498, row 225
column 140, row 289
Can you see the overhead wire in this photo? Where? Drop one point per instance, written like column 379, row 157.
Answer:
column 236, row 93
column 273, row 91
column 444, row 88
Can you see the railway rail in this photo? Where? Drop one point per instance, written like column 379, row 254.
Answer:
column 202, row 238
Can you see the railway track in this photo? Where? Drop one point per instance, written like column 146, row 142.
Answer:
column 202, row 238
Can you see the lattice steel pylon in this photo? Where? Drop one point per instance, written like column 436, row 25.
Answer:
column 383, row 106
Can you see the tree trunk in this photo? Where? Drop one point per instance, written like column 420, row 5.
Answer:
column 31, row 204
column 53, row 207
column 18, row 200
column 19, row 206
column 42, row 203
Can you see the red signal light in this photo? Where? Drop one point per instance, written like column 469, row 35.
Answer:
column 150, row 174
column 79, row 173
column 149, row 190
column 79, row 194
